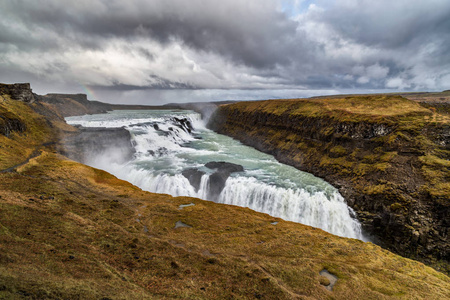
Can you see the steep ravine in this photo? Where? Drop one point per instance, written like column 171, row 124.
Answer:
column 391, row 165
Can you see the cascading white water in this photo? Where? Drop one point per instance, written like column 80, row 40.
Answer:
column 168, row 142
column 300, row 206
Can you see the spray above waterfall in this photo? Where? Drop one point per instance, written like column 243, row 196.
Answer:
column 175, row 154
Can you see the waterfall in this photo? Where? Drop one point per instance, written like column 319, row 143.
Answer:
column 167, row 143
column 316, row 209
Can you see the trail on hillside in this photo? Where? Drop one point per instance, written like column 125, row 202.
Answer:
column 36, row 152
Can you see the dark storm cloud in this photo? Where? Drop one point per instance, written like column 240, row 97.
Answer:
column 393, row 24
column 138, row 45
column 249, row 34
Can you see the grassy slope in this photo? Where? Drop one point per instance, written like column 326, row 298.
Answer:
column 71, row 231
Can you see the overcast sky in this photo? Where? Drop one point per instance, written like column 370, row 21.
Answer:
column 159, row 51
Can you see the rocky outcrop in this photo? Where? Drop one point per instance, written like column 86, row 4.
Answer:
column 18, row 91
column 183, row 123
column 10, row 124
column 194, row 176
column 217, row 180
column 393, row 171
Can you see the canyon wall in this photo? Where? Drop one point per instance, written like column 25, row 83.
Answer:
column 388, row 156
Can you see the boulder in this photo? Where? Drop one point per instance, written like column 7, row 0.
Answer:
column 222, row 166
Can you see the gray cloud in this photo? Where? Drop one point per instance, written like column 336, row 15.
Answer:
column 141, row 45
column 390, row 24
column 253, row 33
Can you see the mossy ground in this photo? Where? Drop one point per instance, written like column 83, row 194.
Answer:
column 352, row 108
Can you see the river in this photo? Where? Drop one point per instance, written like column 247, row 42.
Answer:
column 172, row 148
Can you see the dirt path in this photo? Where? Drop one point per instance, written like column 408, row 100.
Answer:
column 37, row 151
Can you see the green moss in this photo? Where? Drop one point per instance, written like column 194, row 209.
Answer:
column 337, row 163
column 396, row 206
column 376, row 189
column 388, row 156
column 370, row 158
column 441, row 190
column 434, row 161
column 338, row 150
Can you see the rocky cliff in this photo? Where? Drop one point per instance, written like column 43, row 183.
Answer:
column 388, row 156
column 10, row 122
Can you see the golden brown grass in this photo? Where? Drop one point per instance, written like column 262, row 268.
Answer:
column 352, row 107
column 69, row 230
column 18, row 146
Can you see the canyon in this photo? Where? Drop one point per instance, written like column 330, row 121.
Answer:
column 72, row 231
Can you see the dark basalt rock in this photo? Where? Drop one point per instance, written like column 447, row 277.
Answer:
column 222, row 166
column 219, row 177
column 8, row 125
column 9, row 122
column 184, row 124
column 217, row 180
column 194, row 176
column 18, row 91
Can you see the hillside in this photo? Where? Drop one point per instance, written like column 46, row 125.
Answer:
column 389, row 157
column 69, row 231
